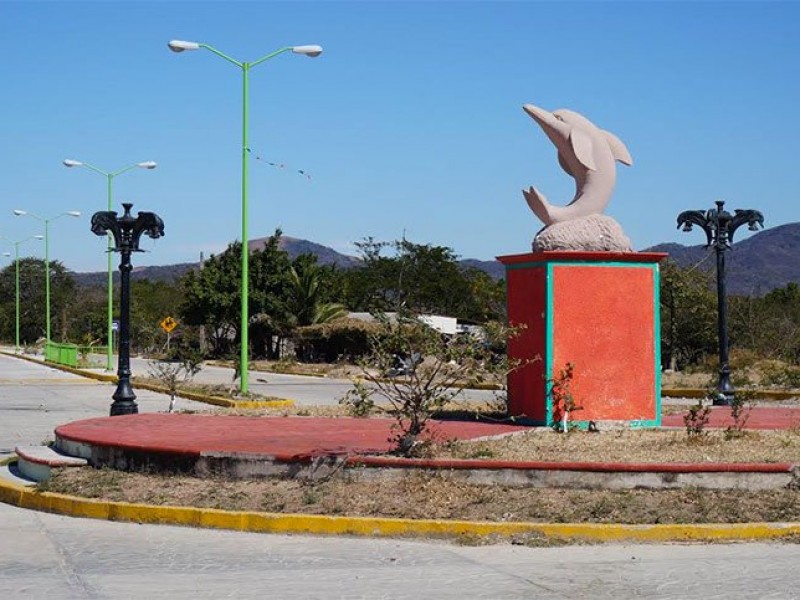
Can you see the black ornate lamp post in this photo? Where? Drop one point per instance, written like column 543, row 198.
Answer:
column 126, row 231
column 719, row 226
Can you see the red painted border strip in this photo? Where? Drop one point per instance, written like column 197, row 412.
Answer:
column 67, row 461
column 382, row 461
column 560, row 256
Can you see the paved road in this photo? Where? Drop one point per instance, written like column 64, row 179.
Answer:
column 52, row 557
column 34, row 399
column 47, row 556
column 305, row 391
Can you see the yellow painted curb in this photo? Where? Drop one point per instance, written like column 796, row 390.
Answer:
column 217, row 363
column 197, row 397
column 11, row 493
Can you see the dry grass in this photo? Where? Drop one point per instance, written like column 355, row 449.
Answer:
column 431, row 496
column 633, row 446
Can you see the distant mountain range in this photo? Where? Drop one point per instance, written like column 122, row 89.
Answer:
column 767, row 260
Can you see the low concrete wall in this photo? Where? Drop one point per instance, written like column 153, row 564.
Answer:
column 537, row 475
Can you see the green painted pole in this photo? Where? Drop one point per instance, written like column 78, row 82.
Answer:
column 110, row 309
column 110, row 303
column 245, row 322
column 180, row 46
column 16, row 248
column 47, row 281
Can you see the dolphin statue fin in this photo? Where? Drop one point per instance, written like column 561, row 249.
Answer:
column 582, row 146
column 618, row 149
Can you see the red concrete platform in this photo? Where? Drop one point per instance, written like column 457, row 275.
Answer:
column 759, row 417
column 298, row 438
column 280, row 438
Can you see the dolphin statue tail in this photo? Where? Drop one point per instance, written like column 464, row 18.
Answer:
column 538, row 204
column 547, row 213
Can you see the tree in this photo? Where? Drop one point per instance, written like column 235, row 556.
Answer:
column 308, row 292
column 32, row 301
column 151, row 302
column 768, row 326
column 211, row 298
column 688, row 316
column 420, row 278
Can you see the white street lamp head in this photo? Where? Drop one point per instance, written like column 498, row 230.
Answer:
column 311, row 51
column 74, row 213
column 38, row 237
column 180, row 45
column 68, row 162
column 148, row 164
column 19, row 213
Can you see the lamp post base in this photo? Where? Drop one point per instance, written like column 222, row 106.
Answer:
column 725, row 392
column 124, row 400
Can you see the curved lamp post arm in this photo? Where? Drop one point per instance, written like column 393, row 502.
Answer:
column 688, row 218
column 753, row 218
column 126, row 230
column 123, row 170
column 271, row 55
column 77, row 163
column 222, row 55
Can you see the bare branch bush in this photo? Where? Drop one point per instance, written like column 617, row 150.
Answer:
column 175, row 372
column 417, row 371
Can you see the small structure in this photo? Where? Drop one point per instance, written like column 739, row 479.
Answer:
column 598, row 311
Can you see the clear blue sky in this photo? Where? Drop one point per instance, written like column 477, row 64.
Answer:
column 410, row 121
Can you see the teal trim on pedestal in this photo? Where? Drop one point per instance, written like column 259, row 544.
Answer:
column 657, row 338
column 548, row 343
column 549, row 311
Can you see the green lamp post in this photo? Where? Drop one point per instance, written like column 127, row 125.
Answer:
column 312, row 51
column 16, row 278
column 109, row 178
column 23, row 213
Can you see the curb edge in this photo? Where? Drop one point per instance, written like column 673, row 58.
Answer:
column 13, row 494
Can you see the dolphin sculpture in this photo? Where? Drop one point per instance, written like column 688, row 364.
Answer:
column 588, row 154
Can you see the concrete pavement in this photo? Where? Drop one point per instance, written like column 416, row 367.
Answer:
column 47, row 556
column 303, row 390
column 34, row 399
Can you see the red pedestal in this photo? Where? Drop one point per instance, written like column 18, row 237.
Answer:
column 598, row 311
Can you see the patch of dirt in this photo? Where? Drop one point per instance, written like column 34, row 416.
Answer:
column 430, row 496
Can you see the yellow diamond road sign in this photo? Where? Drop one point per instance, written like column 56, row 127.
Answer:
column 168, row 324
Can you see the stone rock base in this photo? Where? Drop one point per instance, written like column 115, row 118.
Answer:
column 595, row 233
